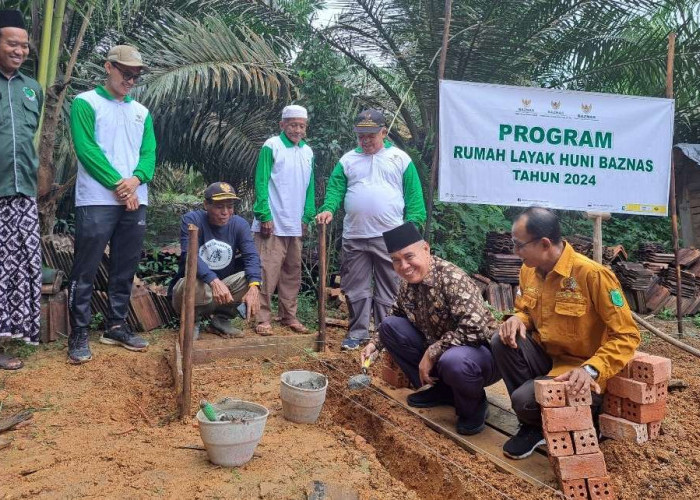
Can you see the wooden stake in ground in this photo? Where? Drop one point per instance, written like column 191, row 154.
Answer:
column 672, row 194
column 598, row 218
column 187, row 319
column 436, row 153
column 321, row 287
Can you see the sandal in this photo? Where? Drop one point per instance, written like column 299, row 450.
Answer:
column 297, row 327
column 264, row 329
column 10, row 363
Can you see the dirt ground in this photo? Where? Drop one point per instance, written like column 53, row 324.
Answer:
column 107, row 429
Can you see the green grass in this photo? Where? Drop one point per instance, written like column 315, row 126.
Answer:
column 19, row 349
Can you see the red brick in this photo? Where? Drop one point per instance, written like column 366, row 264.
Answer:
column 601, row 488
column 643, row 413
column 623, row 430
column 626, row 370
column 651, row 369
column 626, row 388
column 654, row 429
column 575, row 489
column 661, row 391
column 583, row 399
column 393, row 375
column 580, row 466
column 612, row 405
column 586, row 441
column 559, row 444
column 550, row 394
column 569, row 418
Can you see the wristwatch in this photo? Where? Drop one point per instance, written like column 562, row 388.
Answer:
column 591, row 371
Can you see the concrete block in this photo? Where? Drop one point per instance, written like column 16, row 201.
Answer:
column 586, row 441
column 623, row 430
column 636, row 391
column 568, row 418
column 550, row 394
column 643, row 413
column 600, row 488
column 559, row 444
column 612, row 405
column 651, row 369
column 575, row 489
column 580, row 466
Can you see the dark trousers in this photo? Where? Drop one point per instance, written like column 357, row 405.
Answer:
column 465, row 370
column 520, row 368
column 95, row 226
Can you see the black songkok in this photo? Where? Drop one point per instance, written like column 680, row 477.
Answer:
column 11, row 19
column 401, row 237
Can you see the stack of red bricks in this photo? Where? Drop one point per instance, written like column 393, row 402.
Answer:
column 635, row 400
column 572, row 441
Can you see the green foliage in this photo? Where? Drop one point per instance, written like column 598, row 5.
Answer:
column 666, row 314
column 19, row 349
column 696, row 321
column 97, row 322
column 458, row 232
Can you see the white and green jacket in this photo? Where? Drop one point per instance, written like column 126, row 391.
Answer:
column 113, row 140
column 284, row 186
column 379, row 192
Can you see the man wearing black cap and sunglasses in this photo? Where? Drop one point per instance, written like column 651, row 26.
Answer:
column 116, row 148
column 379, row 188
column 21, row 100
column 438, row 331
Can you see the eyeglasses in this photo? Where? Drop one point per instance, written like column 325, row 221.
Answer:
column 519, row 245
column 127, row 75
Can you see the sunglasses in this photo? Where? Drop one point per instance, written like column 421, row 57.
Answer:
column 127, row 75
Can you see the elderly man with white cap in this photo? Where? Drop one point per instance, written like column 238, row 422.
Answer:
column 284, row 203
column 115, row 144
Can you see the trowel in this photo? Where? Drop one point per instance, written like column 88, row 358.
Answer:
column 363, row 380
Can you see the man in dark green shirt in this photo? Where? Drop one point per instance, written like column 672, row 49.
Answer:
column 21, row 99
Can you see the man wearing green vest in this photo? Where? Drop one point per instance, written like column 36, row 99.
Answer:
column 116, row 149
column 379, row 187
column 21, row 100
column 284, row 203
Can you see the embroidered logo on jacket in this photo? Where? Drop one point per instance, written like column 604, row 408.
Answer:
column 29, row 93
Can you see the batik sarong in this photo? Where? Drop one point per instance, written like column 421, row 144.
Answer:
column 20, row 268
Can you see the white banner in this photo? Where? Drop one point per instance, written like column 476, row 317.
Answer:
column 525, row 146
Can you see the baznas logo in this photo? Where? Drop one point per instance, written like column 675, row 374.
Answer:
column 556, row 105
column 29, row 93
column 526, row 102
column 586, row 108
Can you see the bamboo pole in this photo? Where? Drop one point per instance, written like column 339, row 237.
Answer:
column 59, row 13
column 672, row 194
column 322, row 265
column 436, row 153
column 667, row 338
column 187, row 319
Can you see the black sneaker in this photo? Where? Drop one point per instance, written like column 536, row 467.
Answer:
column 78, row 346
column 474, row 423
column 524, row 442
column 122, row 335
column 438, row 395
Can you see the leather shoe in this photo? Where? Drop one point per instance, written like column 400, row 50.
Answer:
column 438, row 395
column 473, row 424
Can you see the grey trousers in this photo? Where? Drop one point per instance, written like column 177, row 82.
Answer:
column 520, row 368
column 95, row 226
column 363, row 261
column 203, row 297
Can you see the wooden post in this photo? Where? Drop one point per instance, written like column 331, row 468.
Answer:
column 598, row 218
column 187, row 318
column 321, row 287
column 436, row 153
column 672, row 194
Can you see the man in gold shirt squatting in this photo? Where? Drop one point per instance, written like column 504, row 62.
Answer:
column 571, row 323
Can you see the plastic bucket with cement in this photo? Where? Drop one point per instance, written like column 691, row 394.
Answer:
column 232, row 442
column 303, row 394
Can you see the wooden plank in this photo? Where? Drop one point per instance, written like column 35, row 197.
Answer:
column 279, row 346
column 176, row 366
column 536, row 469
